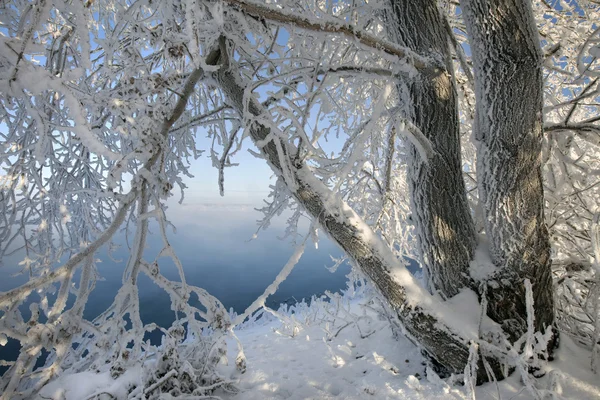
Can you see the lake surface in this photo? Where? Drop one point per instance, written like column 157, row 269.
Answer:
column 215, row 248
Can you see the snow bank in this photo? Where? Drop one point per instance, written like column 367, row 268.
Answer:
column 343, row 347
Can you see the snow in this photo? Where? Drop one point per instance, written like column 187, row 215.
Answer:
column 482, row 266
column 87, row 384
column 309, row 367
column 464, row 311
column 417, row 138
column 319, row 358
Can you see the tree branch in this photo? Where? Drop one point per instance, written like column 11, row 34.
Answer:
column 330, row 26
column 426, row 325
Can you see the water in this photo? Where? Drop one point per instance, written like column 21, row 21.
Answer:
column 217, row 254
column 214, row 247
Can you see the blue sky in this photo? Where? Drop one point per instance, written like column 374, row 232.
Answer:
column 247, row 183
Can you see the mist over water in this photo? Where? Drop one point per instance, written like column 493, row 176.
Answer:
column 218, row 254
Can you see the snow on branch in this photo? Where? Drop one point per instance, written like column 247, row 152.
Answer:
column 330, row 26
column 272, row 288
column 417, row 138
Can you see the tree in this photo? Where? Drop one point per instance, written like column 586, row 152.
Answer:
column 508, row 130
column 102, row 102
column 443, row 223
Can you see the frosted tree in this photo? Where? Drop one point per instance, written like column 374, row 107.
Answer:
column 571, row 140
column 90, row 99
column 451, row 157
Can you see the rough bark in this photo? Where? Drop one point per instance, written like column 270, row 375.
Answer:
column 444, row 226
column 360, row 244
column 509, row 92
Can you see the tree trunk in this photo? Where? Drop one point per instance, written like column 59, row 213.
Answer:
column 423, row 326
column 444, row 226
column 509, row 93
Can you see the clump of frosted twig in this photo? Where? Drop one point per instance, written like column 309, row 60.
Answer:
column 577, row 299
column 595, row 294
column 527, row 355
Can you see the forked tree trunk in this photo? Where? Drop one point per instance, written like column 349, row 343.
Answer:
column 441, row 213
column 509, row 92
column 510, row 134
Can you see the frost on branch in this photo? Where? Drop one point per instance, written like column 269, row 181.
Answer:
column 104, row 101
column 100, row 105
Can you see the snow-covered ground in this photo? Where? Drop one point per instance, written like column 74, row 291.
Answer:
column 344, row 349
column 381, row 367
